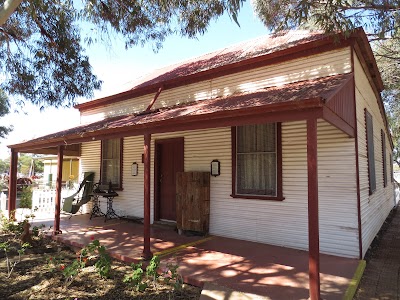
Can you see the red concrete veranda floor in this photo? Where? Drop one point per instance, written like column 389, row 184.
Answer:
column 270, row 271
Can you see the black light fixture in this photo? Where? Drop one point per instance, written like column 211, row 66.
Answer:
column 135, row 169
column 215, row 168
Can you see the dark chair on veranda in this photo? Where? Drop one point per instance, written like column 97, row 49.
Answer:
column 74, row 202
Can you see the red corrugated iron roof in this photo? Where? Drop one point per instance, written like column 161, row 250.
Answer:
column 232, row 58
column 243, row 51
column 291, row 97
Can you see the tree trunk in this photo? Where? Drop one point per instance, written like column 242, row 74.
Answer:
column 8, row 7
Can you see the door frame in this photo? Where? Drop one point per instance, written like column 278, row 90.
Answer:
column 157, row 153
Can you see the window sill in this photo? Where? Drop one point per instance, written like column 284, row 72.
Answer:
column 253, row 197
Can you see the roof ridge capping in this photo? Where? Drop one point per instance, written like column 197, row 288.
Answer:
column 234, row 59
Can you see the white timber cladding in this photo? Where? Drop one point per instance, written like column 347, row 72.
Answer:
column 337, row 191
column 311, row 67
column 376, row 207
column 90, row 162
column 283, row 223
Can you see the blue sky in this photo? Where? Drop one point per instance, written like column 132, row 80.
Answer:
column 117, row 66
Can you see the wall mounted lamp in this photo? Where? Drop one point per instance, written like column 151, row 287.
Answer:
column 215, row 168
column 135, row 169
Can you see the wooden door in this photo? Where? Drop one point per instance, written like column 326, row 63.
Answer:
column 169, row 160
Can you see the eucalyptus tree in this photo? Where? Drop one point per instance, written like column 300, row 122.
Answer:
column 42, row 42
column 4, row 110
column 380, row 18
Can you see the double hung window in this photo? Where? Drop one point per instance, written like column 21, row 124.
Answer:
column 111, row 162
column 257, row 161
column 370, row 152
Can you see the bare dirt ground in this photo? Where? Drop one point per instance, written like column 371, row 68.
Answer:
column 35, row 278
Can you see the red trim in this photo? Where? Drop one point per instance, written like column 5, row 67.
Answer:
column 279, row 193
column 341, row 109
column 360, row 245
column 257, row 197
column 155, row 98
column 375, row 82
column 336, row 121
column 313, row 217
column 282, row 113
column 12, row 185
column 147, row 254
column 56, row 229
column 157, row 154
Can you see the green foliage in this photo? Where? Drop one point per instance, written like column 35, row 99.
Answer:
column 71, row 271
column 4, row 168
column 172, row 277
column 103, row 263
column 26, row 197
column 152, row 268
column 44, row 37
column 5, row 246
column 27, row 161
column 140, row 279
column 136, row 278
column 380, row 19
column 93, row 251
column 10, row 226
column 4, row 110
column 37, row 230
column 16, row 228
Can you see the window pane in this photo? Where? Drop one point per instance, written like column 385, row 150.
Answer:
column 256, row 138
column 110, row 167
column 256, row 172
column 384, row 158
column 371, row 152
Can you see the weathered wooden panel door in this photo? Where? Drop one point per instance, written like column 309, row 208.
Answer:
column 169, row 161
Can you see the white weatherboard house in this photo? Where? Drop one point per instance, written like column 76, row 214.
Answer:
column 296, row 123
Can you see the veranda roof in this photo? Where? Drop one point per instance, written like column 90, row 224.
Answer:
column 266, row 104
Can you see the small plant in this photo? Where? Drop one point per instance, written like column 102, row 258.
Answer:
column 71, row 271
column 103, row 263
column 171, row 276
column 136, row 278
column 11, row 264
column 38, row 230
column 139, row 279
column 152, row 268
column 92, row 251
column 54, row 263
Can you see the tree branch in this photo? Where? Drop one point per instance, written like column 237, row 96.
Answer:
column 384, row 7
column 8, row 7
column 44, row 32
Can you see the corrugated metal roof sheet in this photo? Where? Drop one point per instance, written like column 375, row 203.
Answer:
column 229, row 55
column 243, row 53
column 294, row 94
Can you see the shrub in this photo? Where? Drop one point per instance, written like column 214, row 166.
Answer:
column 26, row 197
column 93, row 251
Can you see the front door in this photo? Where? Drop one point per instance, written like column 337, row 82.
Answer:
column 168, row 160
